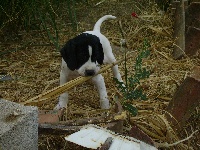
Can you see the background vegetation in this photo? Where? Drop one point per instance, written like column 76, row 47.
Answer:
column 44, row 15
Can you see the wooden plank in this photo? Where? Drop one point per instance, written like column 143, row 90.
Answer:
column 179, row 30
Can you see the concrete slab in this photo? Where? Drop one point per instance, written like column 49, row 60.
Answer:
column 18, row 126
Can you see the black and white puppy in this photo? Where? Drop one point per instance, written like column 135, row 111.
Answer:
column 84, row 54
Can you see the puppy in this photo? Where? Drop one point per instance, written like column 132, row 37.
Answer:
column 84, row 54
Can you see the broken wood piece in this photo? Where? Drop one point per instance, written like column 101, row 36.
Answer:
column 92, row 136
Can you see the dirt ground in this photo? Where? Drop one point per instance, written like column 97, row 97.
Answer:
column 34, row 65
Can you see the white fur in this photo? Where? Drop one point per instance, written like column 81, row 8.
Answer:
column 98, row 80
column 102, row 19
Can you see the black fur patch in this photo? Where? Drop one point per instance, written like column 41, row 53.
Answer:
column 76, row 51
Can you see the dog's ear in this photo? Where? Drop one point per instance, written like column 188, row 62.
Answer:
column 68, row 53
column 99, row 54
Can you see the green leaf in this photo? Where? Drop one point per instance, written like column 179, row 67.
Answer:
column 133, row 90
column 133, row 82
column 120, row 85
column 133, row 110
column 143, row 97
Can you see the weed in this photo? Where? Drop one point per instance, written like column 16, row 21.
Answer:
column 132, row 89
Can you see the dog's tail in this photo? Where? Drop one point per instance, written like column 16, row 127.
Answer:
column 102, row 19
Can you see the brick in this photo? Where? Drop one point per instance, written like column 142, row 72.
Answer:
column 196, row 73
column 193, row 11
column 192, row 22
column 192, row 44
column 185, row 100
column 50, row 116
column 192, row 16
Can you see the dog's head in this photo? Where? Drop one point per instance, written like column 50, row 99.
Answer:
column 83, row 53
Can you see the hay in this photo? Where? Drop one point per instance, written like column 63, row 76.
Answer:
column 35, row 70
column 157, row 127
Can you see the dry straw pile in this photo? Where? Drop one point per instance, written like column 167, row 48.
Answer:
column 35, row 69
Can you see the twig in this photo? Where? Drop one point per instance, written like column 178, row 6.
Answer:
column 100, row 2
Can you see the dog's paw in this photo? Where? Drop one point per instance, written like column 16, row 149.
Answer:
column 59, row 106
column 104, row 104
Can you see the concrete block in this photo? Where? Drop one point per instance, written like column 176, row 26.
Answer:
column 18, row 126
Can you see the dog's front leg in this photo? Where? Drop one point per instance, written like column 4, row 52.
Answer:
column 116, row 73
column 110, row 58
column 100, row 84
column 63, row 98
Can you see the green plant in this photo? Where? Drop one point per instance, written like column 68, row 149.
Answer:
column 72, row 13
column 48, row 22
column 132, row 91
column 36, row 15
column 163, row 4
